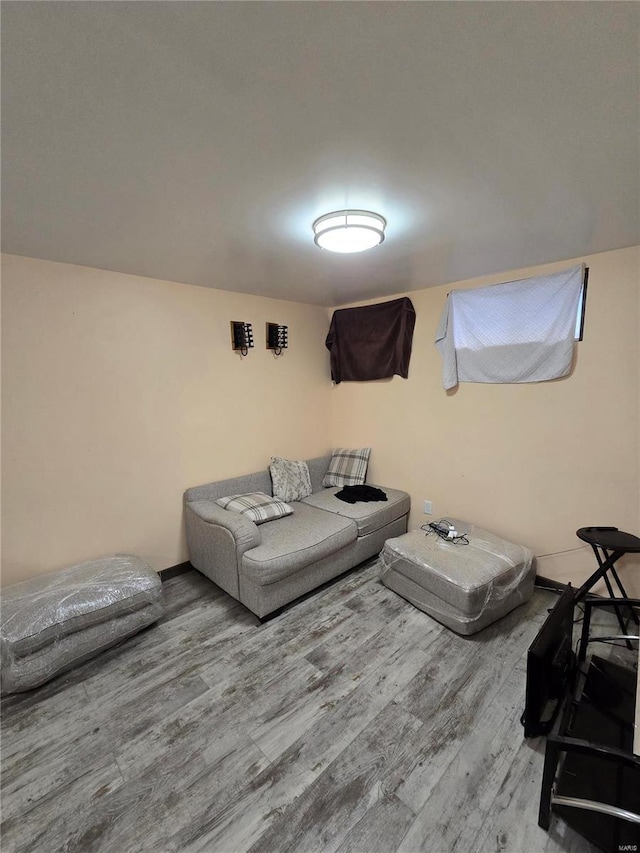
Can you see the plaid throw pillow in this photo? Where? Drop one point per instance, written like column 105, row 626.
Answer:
column 256, row 506
column 347, row 467
column 291, row 480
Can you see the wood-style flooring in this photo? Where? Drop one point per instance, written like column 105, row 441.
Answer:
column 351, row 722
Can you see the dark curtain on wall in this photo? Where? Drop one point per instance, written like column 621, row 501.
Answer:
column 372, row 342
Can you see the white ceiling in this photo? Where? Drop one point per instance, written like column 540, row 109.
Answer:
column 197, row 142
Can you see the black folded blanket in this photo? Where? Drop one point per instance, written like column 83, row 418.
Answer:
column 352, row 494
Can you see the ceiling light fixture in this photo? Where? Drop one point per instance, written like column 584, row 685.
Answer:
column 349, row 231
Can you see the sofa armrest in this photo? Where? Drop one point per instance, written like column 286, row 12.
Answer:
column 243, row 530
column 217, row 539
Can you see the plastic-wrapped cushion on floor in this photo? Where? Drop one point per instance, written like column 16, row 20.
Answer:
column 466, row 587
column 51, row 623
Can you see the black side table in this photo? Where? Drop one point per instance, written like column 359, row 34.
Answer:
column 608, row 544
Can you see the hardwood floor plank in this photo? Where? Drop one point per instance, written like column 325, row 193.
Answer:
column 306, row 624
column 511, row 824
column 251, row 700
column 176, row 650
column 291, row 637
column 286, row 725
column 23, row 710
column 361, row 626
column 320, row 745
column 452, row 694
column 145, row 811
column 34, row 774
column 234, row 822
column 373, row 596
column 332, row 805
column 472, row 778
column 381, row 828
column 20, row 832
column 30, row 723
column 461, row 664
column 138, row 707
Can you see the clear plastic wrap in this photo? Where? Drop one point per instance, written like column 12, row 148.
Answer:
column 52, row 622
column 464, row 586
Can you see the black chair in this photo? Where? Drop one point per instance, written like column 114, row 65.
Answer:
column 609, row 544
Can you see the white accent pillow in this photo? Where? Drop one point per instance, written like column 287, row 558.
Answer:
column 290, row 480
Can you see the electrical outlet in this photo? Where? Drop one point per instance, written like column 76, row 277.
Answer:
column 428, row 508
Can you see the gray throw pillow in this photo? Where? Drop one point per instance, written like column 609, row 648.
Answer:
column 347, row 467
column 290, row 480
column 257, row 506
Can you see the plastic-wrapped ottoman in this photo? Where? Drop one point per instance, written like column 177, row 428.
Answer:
column 51, row 623
column 466, row 587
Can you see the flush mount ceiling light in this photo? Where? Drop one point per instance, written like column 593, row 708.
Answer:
column 349, row 231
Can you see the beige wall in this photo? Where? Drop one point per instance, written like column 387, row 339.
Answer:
column 120, row 391
column 532, row 462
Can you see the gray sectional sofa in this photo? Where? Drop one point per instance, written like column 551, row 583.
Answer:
column 268, row 565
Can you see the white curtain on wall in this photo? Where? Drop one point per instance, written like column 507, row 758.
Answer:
column 521, row 331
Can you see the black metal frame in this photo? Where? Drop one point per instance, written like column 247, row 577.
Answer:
column 559, row 744
column 605, row 566
column 589, row 604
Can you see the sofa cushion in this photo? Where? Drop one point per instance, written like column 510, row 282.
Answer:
column 40, row 611
column 347, row 467
column 465, row 588
column 368, row 516
column 256, row 506
column 292, row 543
column 290, row 480
column 32, row 670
